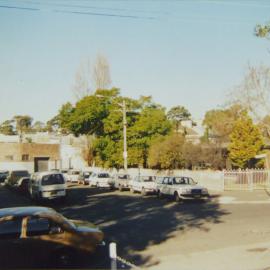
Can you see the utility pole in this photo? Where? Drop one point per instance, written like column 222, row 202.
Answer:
column 125, row 154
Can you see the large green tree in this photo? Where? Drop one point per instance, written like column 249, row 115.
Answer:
column 151, row 124
column 246, row 142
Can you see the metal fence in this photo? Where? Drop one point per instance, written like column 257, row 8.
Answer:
column 246, row 179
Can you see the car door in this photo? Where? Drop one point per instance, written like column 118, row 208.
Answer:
column 136, row 183
column 12, row 249
column 164, row 186
column 41, row 237
column 170, row 186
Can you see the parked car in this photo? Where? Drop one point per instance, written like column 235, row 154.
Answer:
column 73, row 176
column 47, row 185
column 35, row 237
column 143, row 184
column 14, row 176
column 84, row 177
column 23, row 184
column 181, row 188
column 3, row 176
column 101, row 179
column 65, row 173
column 122, row 181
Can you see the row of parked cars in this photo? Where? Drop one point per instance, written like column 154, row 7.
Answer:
column 176, row 187
column 50, row 185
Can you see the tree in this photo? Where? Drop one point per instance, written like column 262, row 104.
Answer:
column 213, row 155
column 88, row 151
column 23, row 123
column 254, row 92
column 53, row 125
column 38, row 126
column 177, row 115
column 150, row 124
column 81, row 87
column 101, row 73
column 167, row 153
column 89, row 112
column 219, row 123
column 7, row 128
column 246, row 142
column 262, row 31
column 64, row 117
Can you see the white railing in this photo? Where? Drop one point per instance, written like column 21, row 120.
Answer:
column 246, row 179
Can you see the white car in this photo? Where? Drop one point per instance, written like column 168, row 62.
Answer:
column 47, row 185
column 101, row 179
column 73, row 176
column 181, row 188
column 143, row 184
column 122, row 181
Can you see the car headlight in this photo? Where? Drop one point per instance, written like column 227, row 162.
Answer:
column 204, row 191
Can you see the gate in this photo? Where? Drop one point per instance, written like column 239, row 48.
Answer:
column 41, row 164
column 246, row 179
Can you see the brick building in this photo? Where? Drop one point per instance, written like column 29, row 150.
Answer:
column 30, row 156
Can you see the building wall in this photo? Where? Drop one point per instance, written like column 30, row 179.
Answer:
column 15, row 151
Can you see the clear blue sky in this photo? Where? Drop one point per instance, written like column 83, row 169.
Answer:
column 187, row 53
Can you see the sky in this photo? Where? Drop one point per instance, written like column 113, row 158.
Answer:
column 189, row 53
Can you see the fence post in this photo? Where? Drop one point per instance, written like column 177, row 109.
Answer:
column 250, row 180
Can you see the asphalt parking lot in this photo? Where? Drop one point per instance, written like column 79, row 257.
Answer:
column 150, row 232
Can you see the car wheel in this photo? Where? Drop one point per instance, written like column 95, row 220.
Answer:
column 176, row 197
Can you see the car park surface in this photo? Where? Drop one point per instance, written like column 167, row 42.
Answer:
column 160, row 234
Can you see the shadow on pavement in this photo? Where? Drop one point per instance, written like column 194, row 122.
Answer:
column 136, row 222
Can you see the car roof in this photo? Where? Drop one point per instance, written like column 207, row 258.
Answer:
column 47, row 173
column 25, row 211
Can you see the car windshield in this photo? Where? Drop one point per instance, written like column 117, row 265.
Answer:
column 147, row 178
column 52, row 179
column 103, row 175
column 183, row 181
column 123, row 176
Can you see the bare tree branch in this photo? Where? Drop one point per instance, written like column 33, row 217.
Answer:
column 101, row 73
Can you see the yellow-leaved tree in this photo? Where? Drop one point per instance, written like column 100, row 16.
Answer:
column 245, row 142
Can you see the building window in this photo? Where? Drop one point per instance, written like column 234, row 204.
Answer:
column 25, row 157
column 9, row 157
